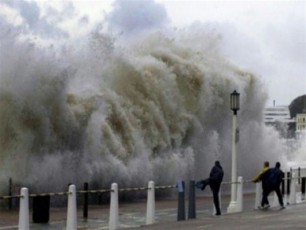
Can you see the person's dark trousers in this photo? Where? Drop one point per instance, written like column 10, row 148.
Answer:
column 215, row 190
column 265, row 194
column 279, row 195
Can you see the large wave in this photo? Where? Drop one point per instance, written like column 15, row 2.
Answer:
column 102, row 111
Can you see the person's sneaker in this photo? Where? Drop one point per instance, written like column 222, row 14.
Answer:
column 282, row 207
column 266, row 206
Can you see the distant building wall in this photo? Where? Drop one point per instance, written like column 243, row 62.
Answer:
column 279, row 117
column 277, row 113
column 300, row 123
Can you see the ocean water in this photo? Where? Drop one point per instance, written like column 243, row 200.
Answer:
column 100, row 110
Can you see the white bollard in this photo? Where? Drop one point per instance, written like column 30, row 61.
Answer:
column 240, row 194
column 292, row 195
column 72, row 209
column 150, row 203
column 114, row 212
column 24, row 210
column 258, row 195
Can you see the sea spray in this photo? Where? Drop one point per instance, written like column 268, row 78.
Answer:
column 126, row 112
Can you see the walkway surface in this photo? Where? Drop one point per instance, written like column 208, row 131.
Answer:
column 132, row 217
column 293, row 217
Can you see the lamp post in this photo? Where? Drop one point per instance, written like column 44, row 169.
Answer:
column 234, row 107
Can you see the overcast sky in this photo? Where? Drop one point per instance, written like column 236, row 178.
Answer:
column 265, row 37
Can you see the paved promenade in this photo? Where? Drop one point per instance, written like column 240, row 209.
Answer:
column 291, row 218
column 132, row 217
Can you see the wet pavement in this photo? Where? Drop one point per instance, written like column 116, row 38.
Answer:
column 291, row 218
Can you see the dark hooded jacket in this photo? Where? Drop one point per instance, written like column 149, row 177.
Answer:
column 216, row 175
column 275, row 177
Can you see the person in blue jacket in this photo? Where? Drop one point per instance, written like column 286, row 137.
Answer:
column 275, row 178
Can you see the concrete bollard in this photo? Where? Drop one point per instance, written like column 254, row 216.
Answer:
column 150, row 218
column 114, row 208
column 240, row 194
column 292, row 196
column 258, row 195
column 72, row 209
column 23, row 223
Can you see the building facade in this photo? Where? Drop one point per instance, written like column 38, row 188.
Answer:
column 279, row 117
column 300, row 124
column 277, row 113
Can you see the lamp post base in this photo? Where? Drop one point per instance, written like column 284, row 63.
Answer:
column 233, row 207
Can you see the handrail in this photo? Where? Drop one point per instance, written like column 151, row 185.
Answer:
column 123, row 189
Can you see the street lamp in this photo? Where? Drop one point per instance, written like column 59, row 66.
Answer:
column 233, row 207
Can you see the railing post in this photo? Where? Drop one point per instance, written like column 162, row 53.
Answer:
column 181, row 201
column 283, row 184
column 10, row 202
column 150, row 218
column 240, row 194
column 284, row 188
column 72, row 209
column 303, row 180
column 23, row 223
column 303, row 186
column 288, row 182
column 192, row 203
column 299, row 175
column 258, row 195
column 114, row 206
column 85, row 202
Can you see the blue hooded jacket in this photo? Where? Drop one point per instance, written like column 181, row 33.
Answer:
column 275, row 177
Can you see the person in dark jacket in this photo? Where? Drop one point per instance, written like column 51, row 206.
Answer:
column 275, row 178
column 214, row 181
column 266, row 188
